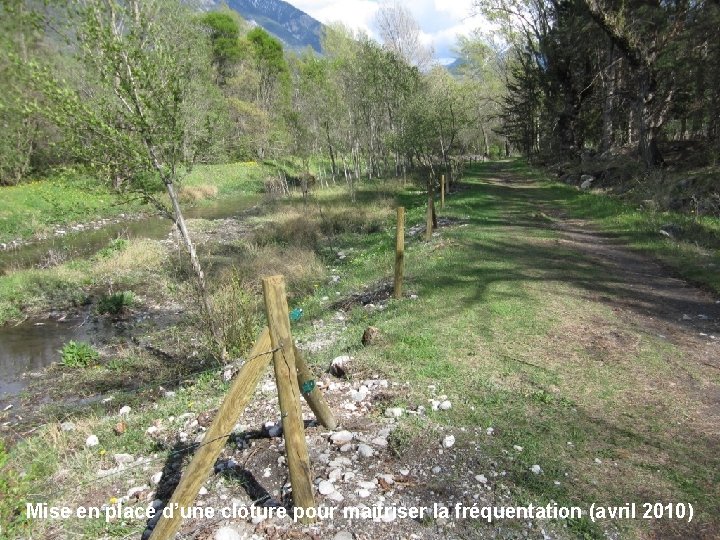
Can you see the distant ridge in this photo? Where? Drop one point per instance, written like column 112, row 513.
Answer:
column 293, row 27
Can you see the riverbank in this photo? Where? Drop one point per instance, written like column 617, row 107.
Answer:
column 575, row 370
column 71, row 201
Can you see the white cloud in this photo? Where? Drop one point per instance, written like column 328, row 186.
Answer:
column 441, row 21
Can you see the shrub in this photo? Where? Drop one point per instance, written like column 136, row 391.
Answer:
column 115, row 246
column 78, row 354
column 235, row 315
column 116, row 303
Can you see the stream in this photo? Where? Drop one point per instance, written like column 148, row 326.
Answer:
column 33, row 344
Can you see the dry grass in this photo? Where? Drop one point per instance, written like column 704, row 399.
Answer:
column 191, row 194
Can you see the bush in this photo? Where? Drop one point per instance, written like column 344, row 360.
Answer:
column 78, row 354
column 235, row 315
column 116, row 303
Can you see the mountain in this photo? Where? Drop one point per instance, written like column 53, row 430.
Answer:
column 294, row 27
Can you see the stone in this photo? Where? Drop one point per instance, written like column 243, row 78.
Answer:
column 120, row 428
column 359, row 395
column 67, row 426
column 370, row 336
column 336, row 496
column 436, row 469
column 151, row 430
column 448, row 441
column 343, row 535
column 379, row 441
column 335, row 475
column 339, row 366
column 91, row 441
column 481, row 478
column 365, row 451
column 586, row 181
column 155, row 478
column 536, row 469
column 445, row 405
column 393, row 412
column 340, row 438
column 124, row 411
column 325, row 487
column 346, row 448
column 518, row 448
column 123, row 459
column 203, row 491
column 136, row 491
column 363, row 493
column 228, row 533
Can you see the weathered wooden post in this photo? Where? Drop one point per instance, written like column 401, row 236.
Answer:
column 311, row 393
column 298, row 459
column 216, row 436
column 442, row 191
column 399, row 253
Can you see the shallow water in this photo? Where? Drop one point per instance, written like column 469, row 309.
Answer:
column 33, row 345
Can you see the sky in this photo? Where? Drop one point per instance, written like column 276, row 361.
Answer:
column 440, row 20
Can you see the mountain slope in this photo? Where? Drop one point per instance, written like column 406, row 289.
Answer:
column 293, row 26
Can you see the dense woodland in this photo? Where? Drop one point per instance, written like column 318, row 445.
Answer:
column 139, row 91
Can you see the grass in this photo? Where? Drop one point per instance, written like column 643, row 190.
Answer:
column 506, row 323
column 38, row 207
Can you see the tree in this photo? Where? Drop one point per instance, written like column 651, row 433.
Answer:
column 224, row 29
column 400, row 33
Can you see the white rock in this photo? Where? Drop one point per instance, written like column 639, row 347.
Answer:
column 448, row 441
column 343, row 535
column 346, row 447
column 598, row 460
column 367, row 485
column 91, row 441
column 490, row 431
column 445, row 405
column 341, row 438
column 67, row 426
column 393, row 412
column 363, row 493
column 518, row 448
column 348, row 476
column 405, row 472
column 124, row 411
column 203, row 491
column 358, row 396
column 151, row 430
column 122, row 459
column 536, row 469
column 135, row 490
column 336, row 496
column 388, row 478
column 365, row 451
column 155, row 479
column 379, row 441
column 436, row 469
column 325, row 487
column 335, row 475
column 481, row 478
column 228, row 533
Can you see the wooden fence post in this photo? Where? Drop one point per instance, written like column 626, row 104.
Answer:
column 399, row 253
column 216, row 436
column 430, row 211
column 298, row 459
column 312, row 394
column 442, row 191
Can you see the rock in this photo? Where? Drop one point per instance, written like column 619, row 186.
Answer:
column 370, row 336
column 586, row 181
column 367, row 485
column 346, row 448
column 518, row 448
column 335, row 475
column 405, row 472
column 151, row 430
column 155, row 478
column 123, row 459
column 598, row 461
column 445, row 405
column 379, row 441
column 67, row 426
column 325, row 487
column 124, row 411
column 91, row 441
column 348, row 476
column 365, row 451
column 393, row 412
column 436, row 469
column 136, row 491
column 359, row 395
column 490, row 431
column 481, row 478
column 536, row 469
column 203, row 491
column 228, row 533
column 363, row 493
column 343, row 535
column 340, row 438
column 273, row 429
column 120, row 428
column 336, row 496
column 339, row 366
column 448, row 441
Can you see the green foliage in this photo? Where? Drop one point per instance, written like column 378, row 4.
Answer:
column 78, row 354
column 116, row 303
column 225, row 41
column 235, row 315
column 115, row 246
